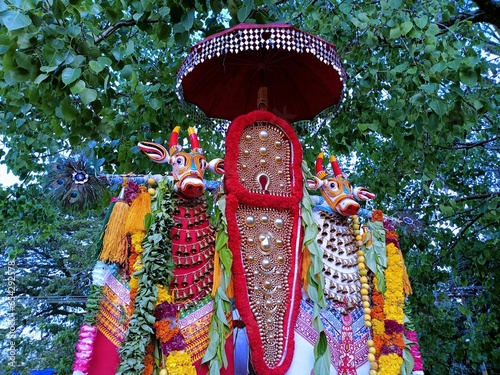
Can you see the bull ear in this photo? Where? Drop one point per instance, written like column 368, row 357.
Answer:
column 216, row 166
column 154, row 151
column 315, row 183
column 363, row 194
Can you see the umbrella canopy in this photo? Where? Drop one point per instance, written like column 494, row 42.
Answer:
column 222, row 74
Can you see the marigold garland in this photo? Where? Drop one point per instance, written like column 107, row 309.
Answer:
column 377, row 215
column 179, row 363
column 390, row 364
column 391, row 350
column 378, row 327
column 134, row 282
column 149, row 362
column 164, row 331
column 394, row 298
column 164, row 295
column 378, row 319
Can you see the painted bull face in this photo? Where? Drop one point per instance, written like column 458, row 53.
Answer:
column 188, row 168
column 336, row 190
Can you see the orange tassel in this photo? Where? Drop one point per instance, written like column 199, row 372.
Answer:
column 217, row 278
column 139, row 208
column 114, row 243
column 230, row 289
column 217, row 274
column 306, row 263
column 407, row 290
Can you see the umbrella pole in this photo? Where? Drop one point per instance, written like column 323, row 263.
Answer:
column 262, row 98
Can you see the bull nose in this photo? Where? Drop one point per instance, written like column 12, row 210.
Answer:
column 352, row 209
column 193, row 191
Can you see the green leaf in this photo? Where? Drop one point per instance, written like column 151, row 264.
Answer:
column 70, row 75
column 96, row 66
column 421, row 22
column 188, row 20
column 77, row 87
column 88, row 95
column 40, row 78
column 23, row 4
column 216, row 6
column 406, row 27
column 244, row 12
column 468, row 77
column 14, row 19
column 395, row 32
column 438, row 106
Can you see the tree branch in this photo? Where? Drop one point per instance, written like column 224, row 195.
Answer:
column 465, row 229
column 469, row 145
column 489, row 12
column 112, row 29
column 477, row 196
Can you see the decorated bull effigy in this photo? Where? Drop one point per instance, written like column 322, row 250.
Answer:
column 318, row 281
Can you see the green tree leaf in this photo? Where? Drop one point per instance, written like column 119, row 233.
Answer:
column 14, row 19
column 70, row 75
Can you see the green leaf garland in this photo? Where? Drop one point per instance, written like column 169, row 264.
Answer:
column 219, row 326
column 158, row 268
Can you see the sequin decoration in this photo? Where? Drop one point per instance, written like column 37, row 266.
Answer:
column 262, row 170
column 266, row 267
column 254, row 39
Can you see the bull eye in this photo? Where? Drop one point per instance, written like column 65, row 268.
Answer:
column 179, row 160
column 333, row 185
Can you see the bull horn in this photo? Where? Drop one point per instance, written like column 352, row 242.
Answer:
column 337, row 172
column 154, row 151
column 174, row 145
column 320, row 172
column 193, row 138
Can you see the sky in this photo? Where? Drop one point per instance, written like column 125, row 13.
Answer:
column 7, row 179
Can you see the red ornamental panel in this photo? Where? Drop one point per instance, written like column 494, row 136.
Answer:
column 264, row 184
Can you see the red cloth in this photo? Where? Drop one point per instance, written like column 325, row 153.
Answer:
column 105, row 358
column 202, row 369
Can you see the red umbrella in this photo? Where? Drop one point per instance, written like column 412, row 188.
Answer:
column 223, row 74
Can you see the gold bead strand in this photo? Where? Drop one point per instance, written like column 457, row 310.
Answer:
column 365, row 292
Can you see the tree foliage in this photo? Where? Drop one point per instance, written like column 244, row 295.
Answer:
column 421, row 116
column 52, row 267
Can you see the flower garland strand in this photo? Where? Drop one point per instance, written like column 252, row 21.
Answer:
column 219, row 326
column 365, row 291
column 153, row 267
column 418, row 367
column 88, row 330
column 391, row 355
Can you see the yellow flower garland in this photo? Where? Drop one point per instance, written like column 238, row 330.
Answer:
column 393, row 297
column 378, row 327
column 137, row 239
column 390, row 364
column 179, row 363
column 164, row 295
column 134, row 282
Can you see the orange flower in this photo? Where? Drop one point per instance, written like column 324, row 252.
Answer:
column 163, row 330
column 378, row 341
column 377, row 310
column 377, row 215
column 131, row 261
column 148, row 369
column 148, row 360
column 395, row 339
